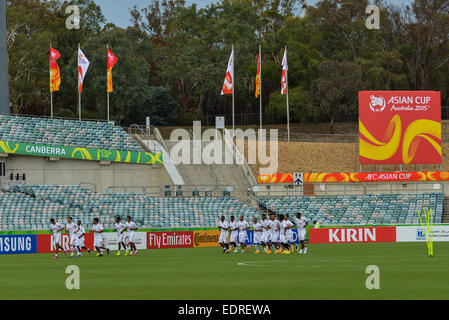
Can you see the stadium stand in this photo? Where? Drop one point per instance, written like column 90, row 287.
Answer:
column 63, row 132
column 350, row 210
column 29, row 207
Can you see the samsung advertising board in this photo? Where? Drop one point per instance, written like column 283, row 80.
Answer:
column 18, row 244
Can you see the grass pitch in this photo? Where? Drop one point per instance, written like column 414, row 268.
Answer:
column 326, row 272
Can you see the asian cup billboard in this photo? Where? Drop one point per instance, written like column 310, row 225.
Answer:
column 400, row 127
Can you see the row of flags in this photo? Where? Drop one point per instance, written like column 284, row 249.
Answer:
column 228, row 85
column 83, row 65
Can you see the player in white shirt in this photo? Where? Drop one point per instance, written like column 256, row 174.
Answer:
column 301, row 223
column 243, row 236
column 57, row 228
column 98, row 230
column 282, row 235
column 71, row 227
column 79, row 238
column 289, row 233
column 286, row 226
column 257, row 238
column 131, row 226
column 266, row 234
column 120, row 227
column 223, row 226
column 233, row 238
column 274, row 229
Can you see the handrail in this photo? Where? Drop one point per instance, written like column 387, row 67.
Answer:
column 249, row 173
column 143, row 189
column 362, row 188
column 214, row 174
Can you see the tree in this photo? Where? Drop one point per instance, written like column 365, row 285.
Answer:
column 335, row 92
column 155, row 102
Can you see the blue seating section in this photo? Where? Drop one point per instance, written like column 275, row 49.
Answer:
column 29, row 207
column 369, row 209
column 68, row 133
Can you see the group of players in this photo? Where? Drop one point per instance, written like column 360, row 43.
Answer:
column 77, row 232
column 273, row 232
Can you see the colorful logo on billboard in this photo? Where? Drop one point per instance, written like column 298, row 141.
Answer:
column 377, row 104
column 400, row 127
column 206, row 238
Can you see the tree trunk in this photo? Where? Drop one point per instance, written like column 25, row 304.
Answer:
column 200, row 107
column 332, row 125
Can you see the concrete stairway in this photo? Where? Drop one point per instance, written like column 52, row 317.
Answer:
column 214, row 174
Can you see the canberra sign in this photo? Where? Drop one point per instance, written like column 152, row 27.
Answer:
column 79, row 153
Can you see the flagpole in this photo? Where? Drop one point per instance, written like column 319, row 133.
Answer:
column 107, row 91
column 79, row 93
column 288, row 110
column 260, row 84
column 233, row 87
column 51, row 92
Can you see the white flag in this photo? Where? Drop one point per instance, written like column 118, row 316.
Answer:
column 228, row 85
column 83, row 65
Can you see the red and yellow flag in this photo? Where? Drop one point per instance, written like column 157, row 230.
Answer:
column 55, row 75
column 112, row 60
column 258, row 78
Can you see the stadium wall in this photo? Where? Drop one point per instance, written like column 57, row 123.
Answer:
column 333, row 157
column 40, row 170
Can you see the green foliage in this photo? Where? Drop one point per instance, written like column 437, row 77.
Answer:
column 155, row 102
column 172, row 61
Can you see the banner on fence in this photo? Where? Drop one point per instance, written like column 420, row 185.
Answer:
column 18, row 244
column 169, row 239
column 341, row 177
column 46, row 242
column 80, row 153
column 352, row 235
